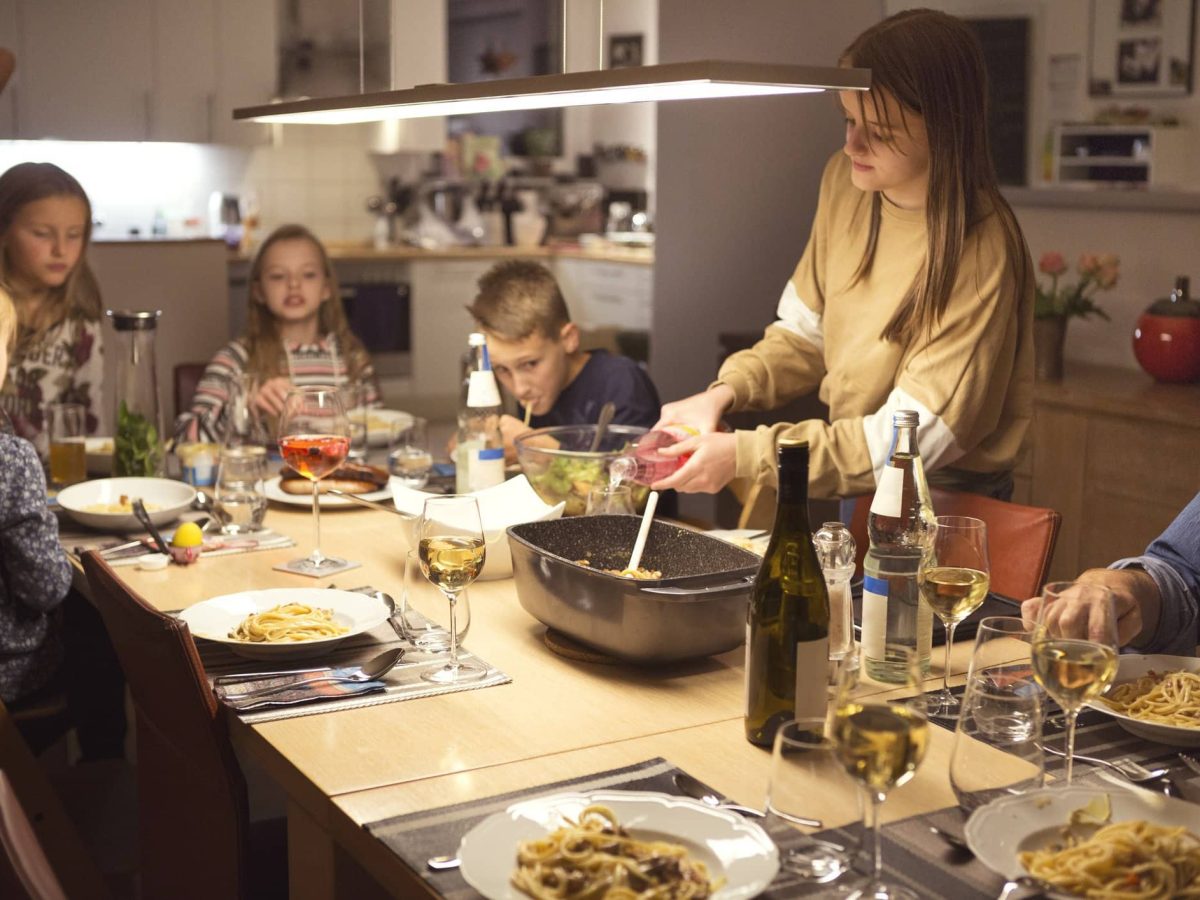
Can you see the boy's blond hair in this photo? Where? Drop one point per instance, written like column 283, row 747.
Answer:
column 518, row 298
column 8, row 325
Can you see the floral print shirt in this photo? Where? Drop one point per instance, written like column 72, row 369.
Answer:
column 34, row 573
column 66, row 365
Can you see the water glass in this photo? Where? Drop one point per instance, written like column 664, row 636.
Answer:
column 354, row 398
column 68, row 453
column 805, row 772
column 1002, row 643
column 240, row 499
column 409, row 458
column 998, row 737
column 607, row 499
column 418, row 594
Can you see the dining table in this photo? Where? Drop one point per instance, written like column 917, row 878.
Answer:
column 560, row 717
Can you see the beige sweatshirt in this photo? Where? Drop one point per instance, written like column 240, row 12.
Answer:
column 971, row 381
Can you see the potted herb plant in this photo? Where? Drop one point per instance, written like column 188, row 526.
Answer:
column 1059, row 301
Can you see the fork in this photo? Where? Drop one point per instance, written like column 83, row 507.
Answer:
column 1128, row 769
column 1191, row 762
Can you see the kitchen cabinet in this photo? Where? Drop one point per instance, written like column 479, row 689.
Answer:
column 1115, row 454
column 185, row 70
column 607, row 294
column 1134, row 155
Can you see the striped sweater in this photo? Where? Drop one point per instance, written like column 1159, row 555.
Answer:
column 308, row 365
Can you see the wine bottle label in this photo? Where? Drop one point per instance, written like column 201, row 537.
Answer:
column 889, row 493
column 812, row 668
column 485, row 467
column 874, row 616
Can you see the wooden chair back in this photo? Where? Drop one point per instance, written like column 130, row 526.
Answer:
column 193, row 819
column 1020, row 538
column 186, row 376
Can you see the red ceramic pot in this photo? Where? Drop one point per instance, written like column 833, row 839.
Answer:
column 1166, row 340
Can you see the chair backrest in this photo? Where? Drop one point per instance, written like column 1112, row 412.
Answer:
column 1020, row 538
column 24, row 869
column 193, row 815
column 186, row 376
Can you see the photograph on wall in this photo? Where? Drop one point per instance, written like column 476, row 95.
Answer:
column 624, row 51
column 1141, row 48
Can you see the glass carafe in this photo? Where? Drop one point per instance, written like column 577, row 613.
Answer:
column 137, row 445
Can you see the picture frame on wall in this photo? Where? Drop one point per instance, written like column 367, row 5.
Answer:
column 1141, row 48
column 624, row 51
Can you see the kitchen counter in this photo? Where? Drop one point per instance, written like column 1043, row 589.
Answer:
column 354, row 252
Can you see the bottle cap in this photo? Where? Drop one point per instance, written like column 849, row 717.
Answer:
column 906, row 417
column 476, row 339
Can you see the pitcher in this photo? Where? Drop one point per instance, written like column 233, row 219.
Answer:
column 137, row 445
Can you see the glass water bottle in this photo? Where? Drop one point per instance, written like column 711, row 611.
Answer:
column 138, row 445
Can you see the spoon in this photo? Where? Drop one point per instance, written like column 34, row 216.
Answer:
column 697, row 791
column 374, row 668
column 606, row 414
column 438, row 863
column 639, row 545
column 139, row 510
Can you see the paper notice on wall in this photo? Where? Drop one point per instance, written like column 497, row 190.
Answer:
column 1065, row 82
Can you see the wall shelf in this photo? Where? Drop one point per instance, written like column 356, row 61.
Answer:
column 1095, row 196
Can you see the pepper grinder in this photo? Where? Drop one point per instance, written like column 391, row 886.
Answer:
column 836, row 552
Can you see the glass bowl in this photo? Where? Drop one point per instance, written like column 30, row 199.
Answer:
column 561, row 468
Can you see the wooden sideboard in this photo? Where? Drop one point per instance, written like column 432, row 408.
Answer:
column 1117, row 454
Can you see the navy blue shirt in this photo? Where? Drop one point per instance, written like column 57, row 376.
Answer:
column 605, row 377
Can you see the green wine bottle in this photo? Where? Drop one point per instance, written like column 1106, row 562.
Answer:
column 787, row 626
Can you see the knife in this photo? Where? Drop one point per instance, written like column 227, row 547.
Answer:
column 139, row 510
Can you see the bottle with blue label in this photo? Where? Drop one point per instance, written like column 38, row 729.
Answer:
column 900, row 526
column 479, row 455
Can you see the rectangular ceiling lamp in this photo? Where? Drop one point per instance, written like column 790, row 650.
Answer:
column 640, row 84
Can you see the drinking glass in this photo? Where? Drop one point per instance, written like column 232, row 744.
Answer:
column 68, row 452
column 805, row 768
column 880, row 745
column 954, row 582
column 354, row 398
column 451, row 549
column 1075, row 648
column 998, row 737
column 420, row 593
column 609, row 499
column 409, row 458
column 314, row 438
column 240, row 498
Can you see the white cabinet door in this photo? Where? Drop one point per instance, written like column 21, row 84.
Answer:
column 607, row 294
column 185, row 70
column 246, row 67
column 441, row 289
column 85, row 69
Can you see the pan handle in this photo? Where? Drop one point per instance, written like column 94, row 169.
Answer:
column 740, row 584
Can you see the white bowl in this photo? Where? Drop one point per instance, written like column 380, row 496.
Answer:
column 165, row 499
column 510, row 503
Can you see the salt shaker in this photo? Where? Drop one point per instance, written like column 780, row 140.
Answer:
column 836, row 552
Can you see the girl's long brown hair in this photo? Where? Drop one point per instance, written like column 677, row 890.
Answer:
column 79, row 296
column 262, row 328
column 932, row 64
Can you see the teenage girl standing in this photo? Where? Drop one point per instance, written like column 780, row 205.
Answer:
column 915, row 291
column 296, row 335
column 45, row 227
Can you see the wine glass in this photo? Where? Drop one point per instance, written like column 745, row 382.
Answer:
column 880, row 745
column 954, row 582
column 314, row 438
column 1075, row 648
column 451, row 547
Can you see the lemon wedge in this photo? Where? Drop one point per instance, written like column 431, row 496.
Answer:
column 1097, row 811
column 187, row 535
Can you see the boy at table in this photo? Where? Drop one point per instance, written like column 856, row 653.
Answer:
column 535, row 352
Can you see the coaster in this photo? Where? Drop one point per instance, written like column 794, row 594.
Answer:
column 569, row 648
column 324, row 572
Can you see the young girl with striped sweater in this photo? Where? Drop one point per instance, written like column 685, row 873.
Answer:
column 296, row 335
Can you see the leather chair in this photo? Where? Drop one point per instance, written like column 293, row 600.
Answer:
column 193, row 818
column 1020, row 538
column 24, row 870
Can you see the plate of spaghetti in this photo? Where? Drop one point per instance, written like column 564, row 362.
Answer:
column 1157, row 698
column 1145, row 845
column 642, row 843
column 284, row 622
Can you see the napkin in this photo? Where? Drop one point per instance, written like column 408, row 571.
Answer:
column 296, row 688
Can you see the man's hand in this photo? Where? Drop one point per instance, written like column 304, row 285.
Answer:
column 1135, row 599
column 700, row 411
column 712, row 466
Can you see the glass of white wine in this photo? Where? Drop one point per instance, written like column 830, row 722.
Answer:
column 954, row 582
column 1075, row 648
column 451, row 548
column 880, row 744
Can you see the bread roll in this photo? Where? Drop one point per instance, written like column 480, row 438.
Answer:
column 351, row 477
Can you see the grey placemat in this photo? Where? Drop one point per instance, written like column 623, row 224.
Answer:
column 404, row 682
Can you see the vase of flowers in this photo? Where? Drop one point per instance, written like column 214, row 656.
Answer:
column 1059, row 301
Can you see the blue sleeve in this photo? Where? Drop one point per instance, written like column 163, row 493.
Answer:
column 1173, row 562
column 633, row 393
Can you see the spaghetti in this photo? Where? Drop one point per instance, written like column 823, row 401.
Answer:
column 1171, row 698
column 1133, row 859
column 287, row 622
column 596, row 857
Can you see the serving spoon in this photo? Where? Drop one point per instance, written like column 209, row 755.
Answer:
column 606, row 415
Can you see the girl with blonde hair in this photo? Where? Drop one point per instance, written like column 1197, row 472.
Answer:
column 296, row 335
column 45, row 228
column 915, row 291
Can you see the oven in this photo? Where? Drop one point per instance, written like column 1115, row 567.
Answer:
column 377, row 300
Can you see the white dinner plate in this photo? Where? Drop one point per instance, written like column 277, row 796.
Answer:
column 214, row 618
column 1134, row 666
column 997, row 832
column 731, row 847
column 382, row 424
column 165, row 499
column 274, row 492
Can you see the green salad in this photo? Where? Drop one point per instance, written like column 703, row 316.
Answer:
column 570, row 480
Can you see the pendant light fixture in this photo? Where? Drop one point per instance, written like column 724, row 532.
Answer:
column 640, row 84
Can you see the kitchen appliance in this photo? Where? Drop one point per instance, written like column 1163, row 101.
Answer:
column 576, row 207
column 1166, row 340
column 378, row 305
column 697, row 608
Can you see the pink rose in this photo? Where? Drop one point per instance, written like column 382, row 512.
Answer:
column 1088, row 263
column 1052, row 263
column 1106, row 276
